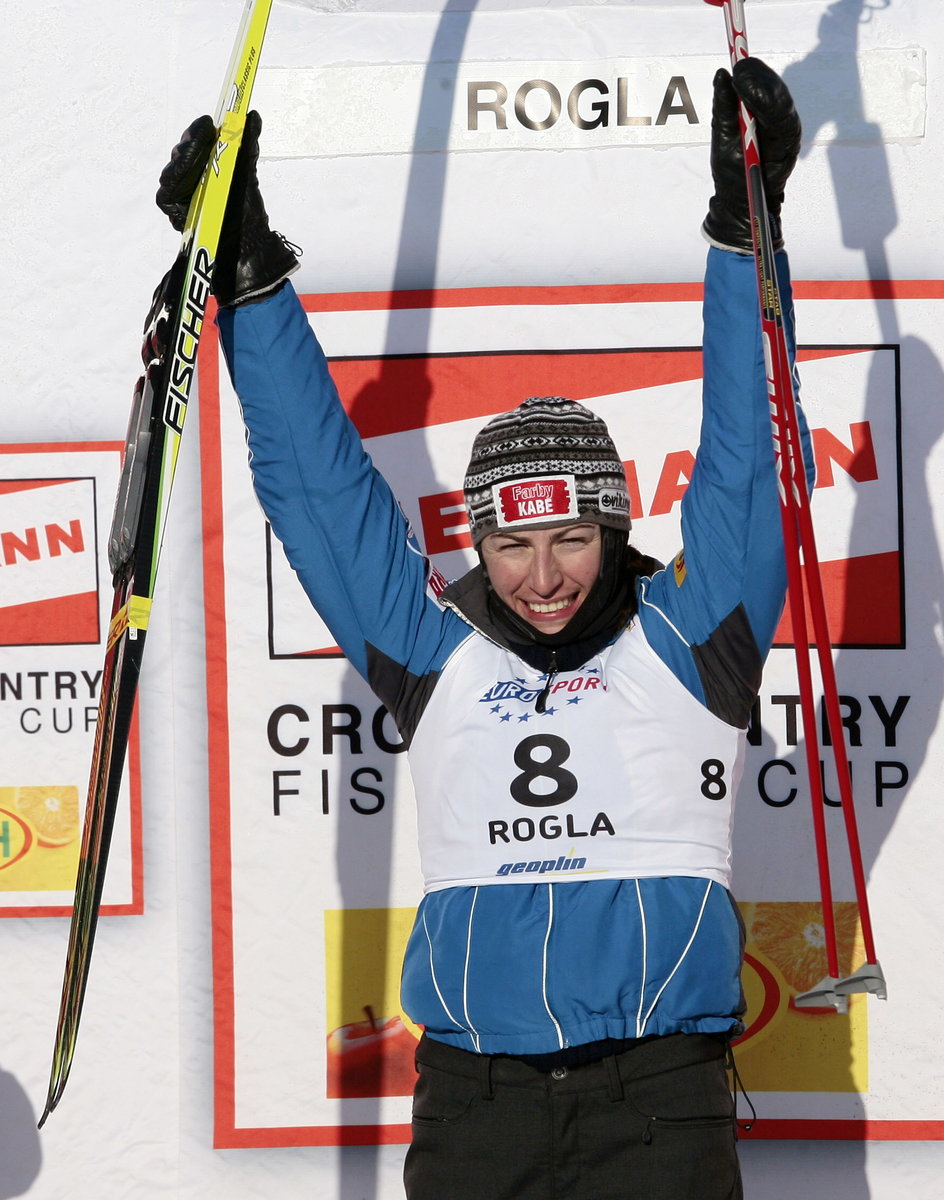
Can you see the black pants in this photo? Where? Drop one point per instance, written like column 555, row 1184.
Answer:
column 653, row 1123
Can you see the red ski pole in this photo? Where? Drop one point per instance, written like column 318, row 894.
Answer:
column 803, row 575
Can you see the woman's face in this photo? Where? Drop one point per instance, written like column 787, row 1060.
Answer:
column 544, row 575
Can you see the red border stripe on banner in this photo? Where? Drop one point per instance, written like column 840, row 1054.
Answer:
column 762, row 1129
column 633, row 293
column 221, row 866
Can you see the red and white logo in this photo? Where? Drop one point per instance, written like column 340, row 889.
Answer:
column 48, row 569
column 530, row 501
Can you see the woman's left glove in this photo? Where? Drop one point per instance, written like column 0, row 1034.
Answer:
column 728, row 223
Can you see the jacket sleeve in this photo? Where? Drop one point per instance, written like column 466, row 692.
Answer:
column 713, row 613
column 342, row 530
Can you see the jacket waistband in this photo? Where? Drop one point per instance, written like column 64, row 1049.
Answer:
column 646, row 1057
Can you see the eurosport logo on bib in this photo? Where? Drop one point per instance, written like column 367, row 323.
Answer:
column 48, row 564
column 565, row 689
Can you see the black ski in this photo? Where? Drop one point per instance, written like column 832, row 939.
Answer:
column 171, row 339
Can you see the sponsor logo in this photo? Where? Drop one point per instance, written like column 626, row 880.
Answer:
column 535, row 500
column 569, row 688
column 33, row 544
column 511, row 689
column 734, row 21
column 547, row 828
column 613, row 500
column 679, row 568
column 539, row 104
column 16, row 838
column 542, row 866
column 236, row 99
column 48, row 565
column 184, row 360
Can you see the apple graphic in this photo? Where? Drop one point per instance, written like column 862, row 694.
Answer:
column 373, row 1057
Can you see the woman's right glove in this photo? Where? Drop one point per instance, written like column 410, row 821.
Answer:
column 728, row 223
column 251, row 259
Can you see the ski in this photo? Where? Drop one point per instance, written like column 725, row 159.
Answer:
column 171, row 338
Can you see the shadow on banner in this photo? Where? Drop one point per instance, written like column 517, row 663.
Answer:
column 21, row 1156
column 416, row 269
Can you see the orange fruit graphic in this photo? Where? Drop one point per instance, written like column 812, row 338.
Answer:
column 791, row 935
column 52, row 811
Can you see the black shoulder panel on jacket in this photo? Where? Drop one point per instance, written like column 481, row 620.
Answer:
column 405, row 694
column 730, row 667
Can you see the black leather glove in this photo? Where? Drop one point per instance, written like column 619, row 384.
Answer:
column 251, row 259
column 728, row 223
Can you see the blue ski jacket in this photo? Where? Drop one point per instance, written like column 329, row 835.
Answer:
column 576, row 861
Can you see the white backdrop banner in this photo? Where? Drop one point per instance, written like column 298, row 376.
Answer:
column 315, row 876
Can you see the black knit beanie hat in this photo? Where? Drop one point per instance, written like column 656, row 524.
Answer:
column 550, row 461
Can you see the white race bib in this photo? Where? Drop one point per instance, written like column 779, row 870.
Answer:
column 624, row 775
